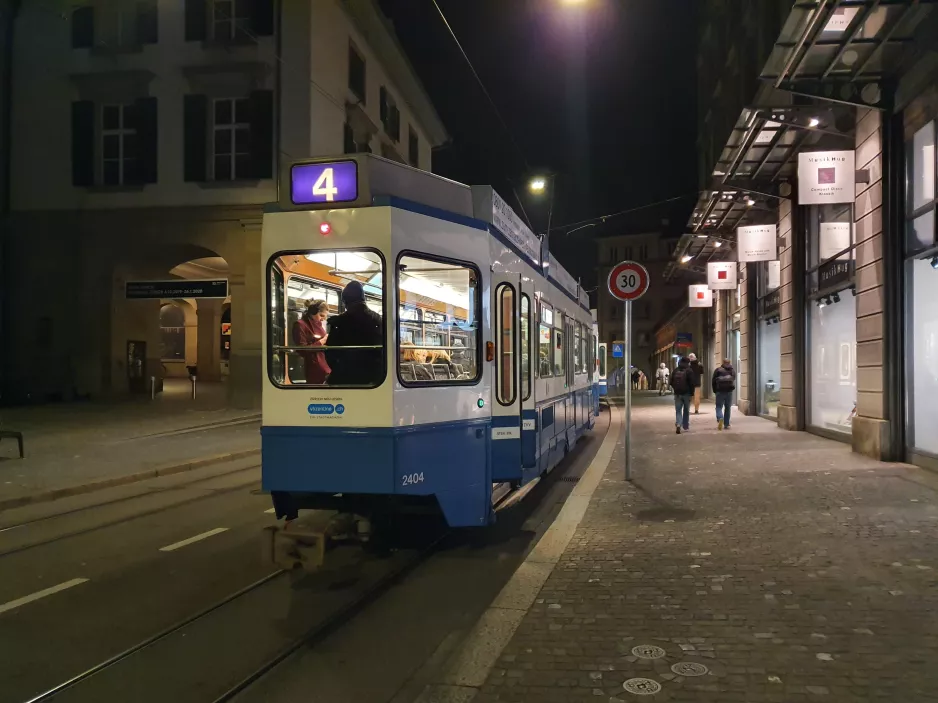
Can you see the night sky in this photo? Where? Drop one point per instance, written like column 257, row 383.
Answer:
column 602, row 94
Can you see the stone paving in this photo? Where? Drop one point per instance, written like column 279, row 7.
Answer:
column 747, row 565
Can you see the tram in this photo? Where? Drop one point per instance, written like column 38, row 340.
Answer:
column 483, row 365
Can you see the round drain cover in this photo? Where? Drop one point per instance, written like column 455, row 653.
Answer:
column 689, row 669
column 648, row 651
column 642, row 687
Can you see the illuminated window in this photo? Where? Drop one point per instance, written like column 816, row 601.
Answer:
column 446, row 296
column 505, row 344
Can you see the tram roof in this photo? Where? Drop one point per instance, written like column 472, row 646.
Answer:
column 366, row 180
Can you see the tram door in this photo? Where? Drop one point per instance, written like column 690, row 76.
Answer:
column 601, row 361
column 506, row 410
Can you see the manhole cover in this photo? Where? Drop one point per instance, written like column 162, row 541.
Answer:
column 642, row 687
column 648, row 651
column 689, row 669
column 664, row 514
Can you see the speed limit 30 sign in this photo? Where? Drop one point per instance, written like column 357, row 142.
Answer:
column 628, row 280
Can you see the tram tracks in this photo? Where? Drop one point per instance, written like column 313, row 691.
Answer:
column 127, row 518
column 315, row 607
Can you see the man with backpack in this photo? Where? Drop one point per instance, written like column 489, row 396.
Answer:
column 683, row 381
column 698, row 370
column 723, row 384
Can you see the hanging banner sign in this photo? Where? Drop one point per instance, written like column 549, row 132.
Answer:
column 826, row 177
column 774, row 275
column 834, row 238
column 721, row 275
column 684, row 340
column 757, row 243
column 699, row 296
column 179, row 288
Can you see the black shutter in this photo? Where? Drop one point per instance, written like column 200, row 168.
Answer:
column 262, row 17
column 195, row 137
column 83, row 143
column 83, row 27
column 148, row 31
column 383, row 106
column 196, row 20
column 349, row 139
column 147, row 139
column 262, row 133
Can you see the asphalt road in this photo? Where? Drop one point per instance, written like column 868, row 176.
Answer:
column 85, row 578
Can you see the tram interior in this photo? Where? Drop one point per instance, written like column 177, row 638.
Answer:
column 438, row 328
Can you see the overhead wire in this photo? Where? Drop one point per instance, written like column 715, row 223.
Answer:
column 601, row 219
column 488, row 95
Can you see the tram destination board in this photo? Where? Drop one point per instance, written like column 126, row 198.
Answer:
column 148, row 290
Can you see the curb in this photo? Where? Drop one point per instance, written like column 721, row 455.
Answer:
column 467, row 669
column 80, row 489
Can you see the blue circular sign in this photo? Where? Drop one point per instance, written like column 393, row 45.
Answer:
column 340, row 409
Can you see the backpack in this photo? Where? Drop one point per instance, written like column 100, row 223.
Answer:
column 679, row 381
column 725, row 382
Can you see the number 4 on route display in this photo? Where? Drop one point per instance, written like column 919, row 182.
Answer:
column 325, row 185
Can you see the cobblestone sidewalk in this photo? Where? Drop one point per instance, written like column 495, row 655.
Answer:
column 747, row 565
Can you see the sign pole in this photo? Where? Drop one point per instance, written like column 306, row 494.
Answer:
column 627, row 353
column 627, row 281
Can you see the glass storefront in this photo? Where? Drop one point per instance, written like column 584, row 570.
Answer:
column 832, row 319
column 922, row 294
column 770, row 367
column 769, row 339
column 832, row 378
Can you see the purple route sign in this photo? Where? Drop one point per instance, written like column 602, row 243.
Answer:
column 335, row 182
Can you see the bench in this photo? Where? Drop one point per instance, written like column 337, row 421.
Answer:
column 12, row 434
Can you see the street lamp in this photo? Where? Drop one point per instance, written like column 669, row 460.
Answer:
column 538, row 185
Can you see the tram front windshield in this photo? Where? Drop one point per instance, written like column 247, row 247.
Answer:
column 313, row 328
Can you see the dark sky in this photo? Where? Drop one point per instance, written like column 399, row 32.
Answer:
column 602, row 94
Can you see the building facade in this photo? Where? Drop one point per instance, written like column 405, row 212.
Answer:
column 146, row 139
column 653, row 250
column 834, row 153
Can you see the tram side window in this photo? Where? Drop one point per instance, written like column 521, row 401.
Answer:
column 442, row 345
column 318, row 336
column 545, row 332
column 525, row 347
column 558, row 345
column 577, row 349
column 505, row 344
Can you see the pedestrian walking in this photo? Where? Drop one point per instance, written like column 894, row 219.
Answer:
column 661, row 375
column 698, row 370
column 723, row 384
column 683, row 382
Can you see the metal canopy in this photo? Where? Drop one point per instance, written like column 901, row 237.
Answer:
column 759, row 155
column 845, row 50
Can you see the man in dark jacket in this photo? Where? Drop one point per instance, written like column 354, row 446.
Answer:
column 683, row 381
column 358, row 326
column 698, row 370
column 723, row 384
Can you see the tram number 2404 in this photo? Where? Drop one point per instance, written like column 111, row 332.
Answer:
column 412, row 479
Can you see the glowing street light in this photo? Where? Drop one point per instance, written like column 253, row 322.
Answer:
column 537, row 185
column 685, row 259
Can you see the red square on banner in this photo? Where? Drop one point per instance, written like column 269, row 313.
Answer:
column 700, row 295
column 721, row 275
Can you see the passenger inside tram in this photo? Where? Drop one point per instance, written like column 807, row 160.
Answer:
column 345, row 289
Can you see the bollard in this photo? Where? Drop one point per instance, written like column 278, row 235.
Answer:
column 192, row 378
column 152, row 387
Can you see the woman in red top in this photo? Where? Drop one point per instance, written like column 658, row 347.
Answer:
column 310, row 331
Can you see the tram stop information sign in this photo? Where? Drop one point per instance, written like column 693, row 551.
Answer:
column 628, row 281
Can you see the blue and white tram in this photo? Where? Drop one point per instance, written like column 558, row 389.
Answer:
column 484, row 369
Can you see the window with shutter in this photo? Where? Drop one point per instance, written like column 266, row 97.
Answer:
column 195, row 137
column 231, row 20
column 196, row 20
column 231, row 133
column 83, row 27
column 356, row 74
column 83, row 143
column 147, row 29
column 118, row 145
column 413, row 148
